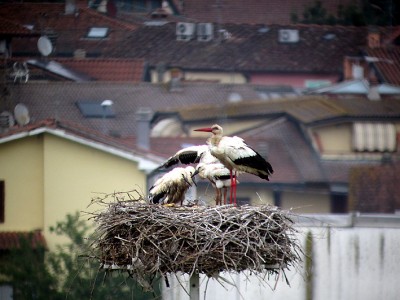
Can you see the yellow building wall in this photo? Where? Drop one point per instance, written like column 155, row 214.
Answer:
column 221, row 77
column 74, row 174
column 21, row 167
column 306, row 202
column 47, row 177
column 335, row 139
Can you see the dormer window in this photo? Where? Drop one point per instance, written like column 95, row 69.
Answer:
column 29, row 26
column 374, row 137
column 94, row 109
column 97, row 32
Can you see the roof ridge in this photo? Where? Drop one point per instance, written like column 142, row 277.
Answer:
column 115, row 21
column 82, row 132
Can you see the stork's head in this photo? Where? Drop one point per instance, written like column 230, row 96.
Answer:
column 190, row 170
column 199, row 168
column 190, row 173
column 215, row 129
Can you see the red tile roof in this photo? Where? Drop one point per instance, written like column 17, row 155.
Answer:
column 53, row 15
column 251, row 11
column 80, row 130
column 12, row 239
column 69, row 30
column 11, row 28
column 123, row 70
column 248, row 48
column 387, row 62
column 375, row 188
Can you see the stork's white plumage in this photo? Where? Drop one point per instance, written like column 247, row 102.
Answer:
column 208, row 167
column 236, row 155
column 172, row 186
column 218, row 175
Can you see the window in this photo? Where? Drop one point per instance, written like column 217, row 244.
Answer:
column 97, row 32
column 373, row 137
column 314, row 84
column 2, row 202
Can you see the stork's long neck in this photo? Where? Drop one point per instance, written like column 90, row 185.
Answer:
column 214, row 139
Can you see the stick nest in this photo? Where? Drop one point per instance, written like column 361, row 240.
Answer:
column 149, row 240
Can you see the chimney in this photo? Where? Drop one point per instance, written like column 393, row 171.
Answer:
column 176, row 80
column 70, row 7
column 374, row 38
column 143, row 118
column 79, row 54
column 353, row 68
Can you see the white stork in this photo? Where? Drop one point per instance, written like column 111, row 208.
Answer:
column 172, row 186
column 236, row 155
column 208, row 167
column 218, row 175
column 188, row 155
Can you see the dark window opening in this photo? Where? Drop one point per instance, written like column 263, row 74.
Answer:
column 339, row 203
column 2, row 201
column 95, row 110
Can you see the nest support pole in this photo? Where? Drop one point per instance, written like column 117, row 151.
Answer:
column 194, row 289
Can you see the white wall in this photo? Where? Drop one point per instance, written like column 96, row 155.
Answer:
column 352, row 258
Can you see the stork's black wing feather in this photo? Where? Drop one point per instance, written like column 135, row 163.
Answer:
column 157, row 197
column 223, row 177
column 186, row 157
column 256, row 162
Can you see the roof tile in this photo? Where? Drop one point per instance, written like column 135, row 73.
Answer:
column 252, row 48
column 375, row 188
column 387, row 62
column 11, row 28
column 12, row 239
column 251, row 11
column 107, row 69
column 69, row 31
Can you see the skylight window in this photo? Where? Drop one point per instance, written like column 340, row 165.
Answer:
column 97, row 32
column 91, row 109
column 329, row 36
column 29, row 26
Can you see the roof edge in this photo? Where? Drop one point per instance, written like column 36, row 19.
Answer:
column 144, row 164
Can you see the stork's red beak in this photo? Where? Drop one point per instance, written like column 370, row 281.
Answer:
column 205, row 129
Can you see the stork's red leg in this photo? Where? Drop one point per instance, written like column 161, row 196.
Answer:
column 235, row 184
column 231, row 189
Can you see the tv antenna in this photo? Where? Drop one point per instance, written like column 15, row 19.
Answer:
column 20, row 70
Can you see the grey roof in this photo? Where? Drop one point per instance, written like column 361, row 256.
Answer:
column 293, row 156
column 59, row 100
column 280, row 138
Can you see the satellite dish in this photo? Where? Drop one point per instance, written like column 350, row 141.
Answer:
column 21, row 114
column 44, row 45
